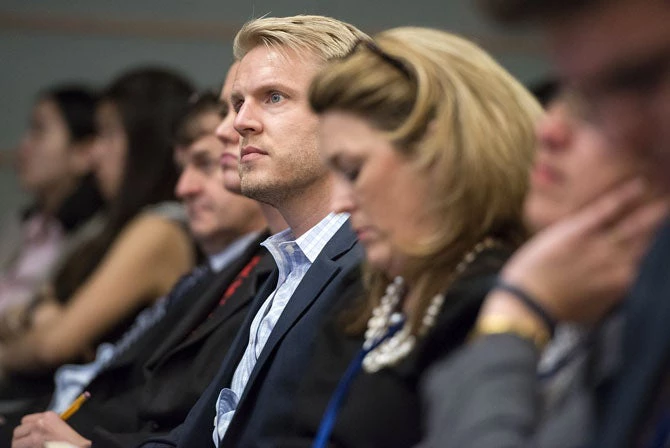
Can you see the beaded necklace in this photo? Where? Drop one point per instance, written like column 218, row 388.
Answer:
column 394, row 348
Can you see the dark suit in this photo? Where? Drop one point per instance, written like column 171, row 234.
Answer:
column 383, row 409
column 266, row 405
column 152, row 386
column 646, row 352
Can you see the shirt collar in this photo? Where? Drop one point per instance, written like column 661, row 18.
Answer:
column 220, row 260
column 315, row 239
column 312, row 242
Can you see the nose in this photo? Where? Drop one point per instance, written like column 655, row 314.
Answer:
column 342, row 200
column 188, row 184
column 554, row 130
column 246, row 120
column 226, row 132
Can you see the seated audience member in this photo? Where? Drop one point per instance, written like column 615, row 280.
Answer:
column 625, row 84
column 506, row 388
column 150, row 387
column 317, row 258
column 55, row 163
column 143, row 248
column 432, row 141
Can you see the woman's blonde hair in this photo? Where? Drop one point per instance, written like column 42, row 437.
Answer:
column 461, row 119
column 320, row 36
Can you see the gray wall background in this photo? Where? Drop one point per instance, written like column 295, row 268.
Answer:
column 43, row 42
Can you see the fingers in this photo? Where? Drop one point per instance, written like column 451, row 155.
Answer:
column 31, row 418
column 609, row 209
column 641, row 225
column 33, row 426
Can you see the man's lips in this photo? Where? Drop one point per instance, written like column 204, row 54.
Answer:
column 228, row 160
column 544, row 174
column 249, row 153
column 364, row 233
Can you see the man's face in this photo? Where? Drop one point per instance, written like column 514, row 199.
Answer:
column 574, row 165
column 215, row 215
column 279, row 159
column 229, row 137
column 617, row 56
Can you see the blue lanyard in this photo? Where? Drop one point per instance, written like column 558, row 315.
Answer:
column 330, row 416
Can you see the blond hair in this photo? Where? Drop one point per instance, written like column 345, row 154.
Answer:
column 461, row 119
column 324, row 37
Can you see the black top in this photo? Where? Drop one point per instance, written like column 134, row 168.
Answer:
column 383, row 409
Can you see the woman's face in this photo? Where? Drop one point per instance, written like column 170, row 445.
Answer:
column 111, row 147
column 379, row 187
column 46, row 159
column 574, row 165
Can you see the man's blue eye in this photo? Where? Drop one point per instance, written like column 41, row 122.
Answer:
column 275, row 98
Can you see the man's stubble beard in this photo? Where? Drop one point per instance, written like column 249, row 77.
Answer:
column 277, row 190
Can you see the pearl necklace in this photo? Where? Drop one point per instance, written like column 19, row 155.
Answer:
column 385, row 315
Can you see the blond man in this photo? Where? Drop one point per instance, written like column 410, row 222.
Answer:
column 317, row 257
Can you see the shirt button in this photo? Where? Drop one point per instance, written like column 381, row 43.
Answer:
column 290, row 249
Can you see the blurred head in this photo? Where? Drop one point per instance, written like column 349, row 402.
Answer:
column 278, row 58
column 624, row 79
column 216, row 216
column 56, row 150
column 229, row 137
column 574, row 165
column 137, row 118
column 433, row 141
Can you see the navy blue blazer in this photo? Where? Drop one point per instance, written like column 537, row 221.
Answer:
column 267, row 401
column 646, row 350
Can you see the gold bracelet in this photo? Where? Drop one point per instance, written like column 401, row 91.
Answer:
column 495, row 324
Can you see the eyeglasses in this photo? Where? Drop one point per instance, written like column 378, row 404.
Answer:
column 395, row 62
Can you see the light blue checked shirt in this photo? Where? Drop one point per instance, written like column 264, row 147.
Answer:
column 72, row 379
column 293, row 257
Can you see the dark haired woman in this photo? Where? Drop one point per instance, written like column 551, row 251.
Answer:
column 143, row 248
column 55, row 162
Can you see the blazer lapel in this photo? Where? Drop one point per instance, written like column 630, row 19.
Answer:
column 197, row 429
column 139, row 347
column 186, row 317
column 192, row 310
column 242, row 296
column 317, row 278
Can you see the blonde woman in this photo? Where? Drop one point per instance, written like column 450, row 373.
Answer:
column 432, row 141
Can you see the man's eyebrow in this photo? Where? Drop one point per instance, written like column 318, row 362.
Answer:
column 264, row 87
column 200, row 154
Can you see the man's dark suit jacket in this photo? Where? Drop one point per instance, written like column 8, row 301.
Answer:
column 646, row 352
column 267, row 403
column 150, row 388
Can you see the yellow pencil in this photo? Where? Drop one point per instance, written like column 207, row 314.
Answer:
column 74, row 407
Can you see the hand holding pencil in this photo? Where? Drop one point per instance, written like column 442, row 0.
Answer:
column 74, row 407
column 38, row 429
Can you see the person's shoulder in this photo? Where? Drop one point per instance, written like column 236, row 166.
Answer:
column 171, row 210
column 153, row 226
column 153, row 230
